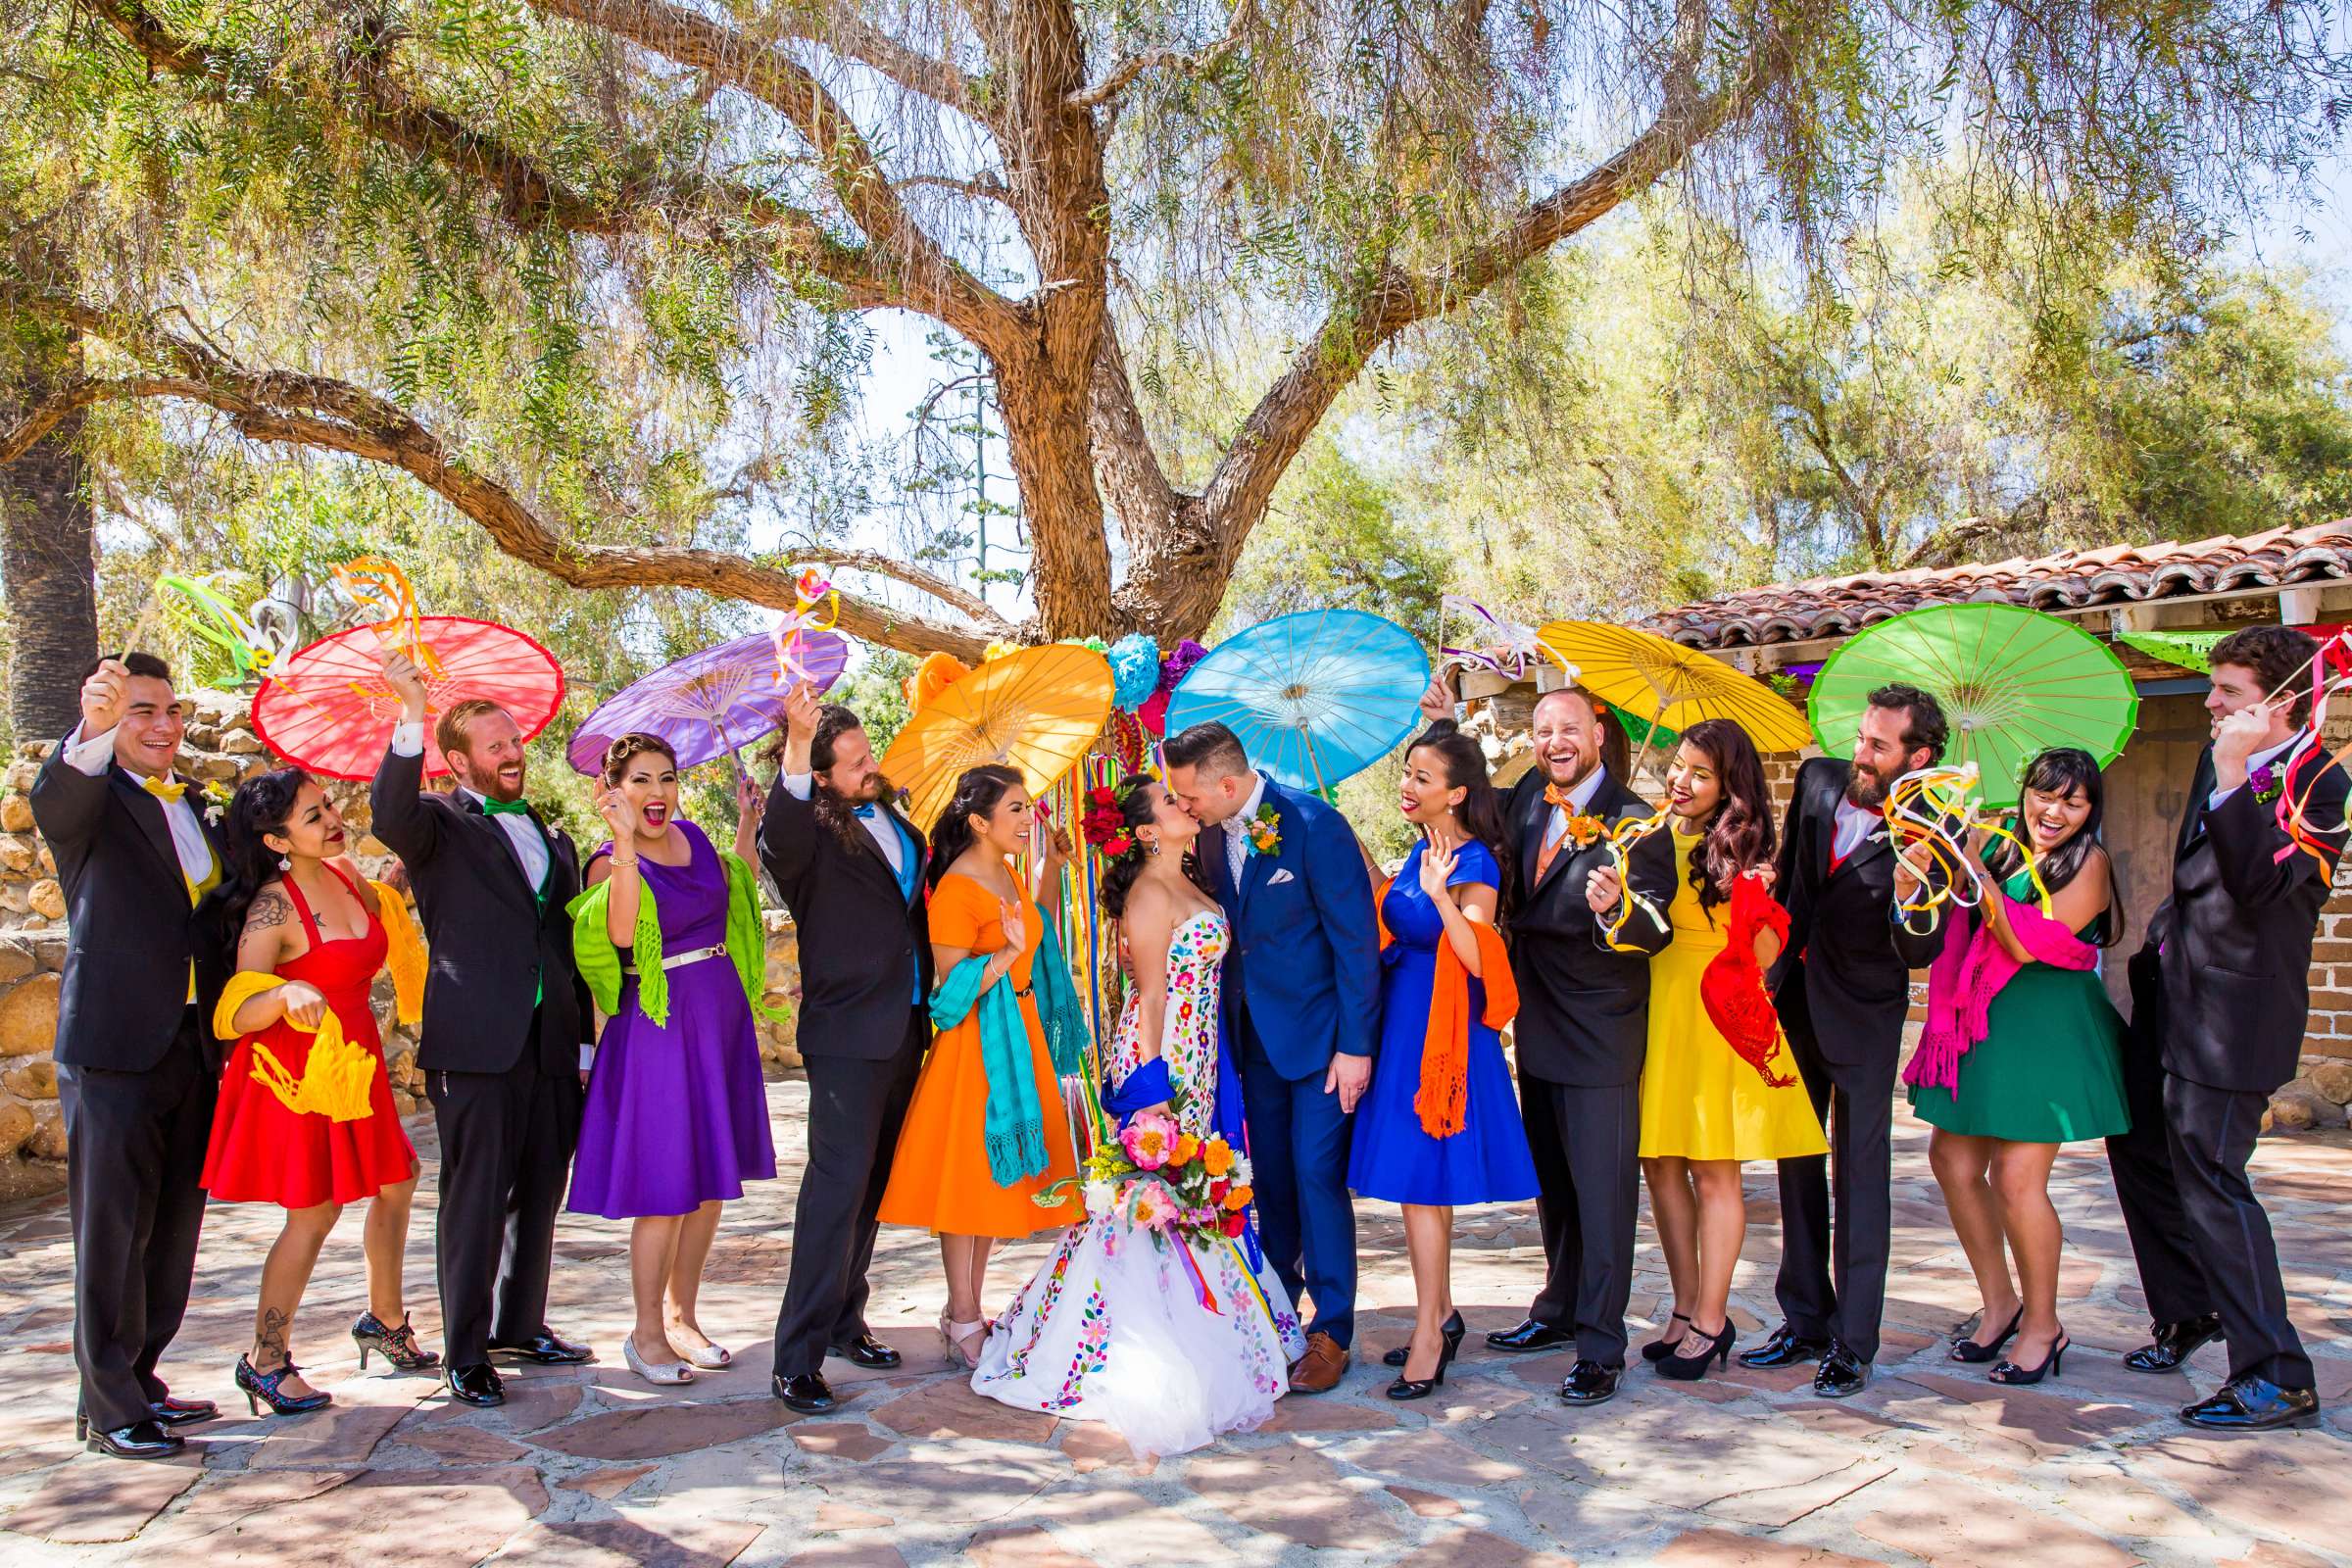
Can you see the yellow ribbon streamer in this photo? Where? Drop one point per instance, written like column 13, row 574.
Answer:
column 1934, row 810
column 1625, row 833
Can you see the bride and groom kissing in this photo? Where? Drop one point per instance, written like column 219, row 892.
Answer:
column 1255, row 1001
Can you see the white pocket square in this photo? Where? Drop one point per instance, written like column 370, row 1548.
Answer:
column 1279, row 877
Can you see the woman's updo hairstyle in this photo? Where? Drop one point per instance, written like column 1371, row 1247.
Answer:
column 626, row 749
column 261, row 807
column 978, row 790
column 1114, row 815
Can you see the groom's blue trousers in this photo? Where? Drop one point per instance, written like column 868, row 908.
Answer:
column 1298, row 1162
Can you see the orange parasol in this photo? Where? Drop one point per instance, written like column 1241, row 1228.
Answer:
column 1036, row 710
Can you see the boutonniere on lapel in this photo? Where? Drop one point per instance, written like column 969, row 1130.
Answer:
column 1265, row 832
column 1586, row 831
column 2266, row 783
column 217, row 797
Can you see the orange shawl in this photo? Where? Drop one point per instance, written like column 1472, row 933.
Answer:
column 1444, row 1092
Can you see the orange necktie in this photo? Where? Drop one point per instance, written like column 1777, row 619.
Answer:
column 1552, row 841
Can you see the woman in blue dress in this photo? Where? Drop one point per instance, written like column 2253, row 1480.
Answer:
column 1440, row 1124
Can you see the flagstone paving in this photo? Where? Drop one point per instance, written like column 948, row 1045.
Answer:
column 1931, row 1464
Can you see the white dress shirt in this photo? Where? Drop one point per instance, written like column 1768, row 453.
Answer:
column 879, row 827
column 1854, row 824
column 1237, row 830
column 90, row 756
column 1580, row 795
column 529, row 843
column 2260, row 759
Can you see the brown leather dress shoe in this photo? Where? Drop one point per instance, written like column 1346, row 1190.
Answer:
column 1320, row 1369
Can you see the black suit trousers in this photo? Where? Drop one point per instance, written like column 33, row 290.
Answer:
column 134, row 1189
column 507, row 1140
column 856, row 1110
column 2209, row 1135
column 1833, row 1283
column 1586, row 1141
column 2171, row 1274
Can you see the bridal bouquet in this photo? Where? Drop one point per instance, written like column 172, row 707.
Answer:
column 1163, row 1178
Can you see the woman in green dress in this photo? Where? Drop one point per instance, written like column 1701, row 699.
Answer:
column 2005, row 1081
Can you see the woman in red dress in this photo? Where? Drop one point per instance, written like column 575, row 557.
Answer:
column 306, row 1118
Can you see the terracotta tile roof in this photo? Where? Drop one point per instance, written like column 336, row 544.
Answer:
column 2119, row 575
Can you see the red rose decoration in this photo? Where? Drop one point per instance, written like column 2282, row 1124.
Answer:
column 1235, row 1222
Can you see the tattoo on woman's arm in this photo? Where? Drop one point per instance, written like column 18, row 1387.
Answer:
column 268, row 910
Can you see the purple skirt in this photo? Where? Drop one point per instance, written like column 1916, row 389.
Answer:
column 676, row 1114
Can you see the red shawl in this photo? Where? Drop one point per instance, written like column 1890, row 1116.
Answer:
column 1732, row 987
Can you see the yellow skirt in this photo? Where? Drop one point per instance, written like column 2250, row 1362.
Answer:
column 1698, row 1100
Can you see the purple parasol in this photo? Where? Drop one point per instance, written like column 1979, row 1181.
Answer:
column 708, row 704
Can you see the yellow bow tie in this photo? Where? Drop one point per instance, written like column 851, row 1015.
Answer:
column 163, row 789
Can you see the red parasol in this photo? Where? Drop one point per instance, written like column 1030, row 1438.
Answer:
column 326, row 706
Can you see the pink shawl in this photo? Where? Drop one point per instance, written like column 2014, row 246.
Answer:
column 1969, row 972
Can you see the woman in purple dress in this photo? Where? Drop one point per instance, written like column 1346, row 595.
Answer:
column 669, row 938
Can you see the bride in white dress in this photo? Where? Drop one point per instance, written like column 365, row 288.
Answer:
column 1169, row 1335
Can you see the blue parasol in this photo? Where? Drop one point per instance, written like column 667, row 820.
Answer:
column 708, row 704
column 1314, row 696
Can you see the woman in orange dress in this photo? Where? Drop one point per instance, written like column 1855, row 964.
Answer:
column 986, row 1131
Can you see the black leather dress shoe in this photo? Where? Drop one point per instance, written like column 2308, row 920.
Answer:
column 809, row 1392
column 868, row 1351
column 548, row 1348
column 1530, row 1336
column 141, row 1439
column 1843, row 1373
column 180, row 1412
column 2175, row 1342
column 1590, row 1383
column 476, row 1384
column 1785, row 1347
column 2253, row 1405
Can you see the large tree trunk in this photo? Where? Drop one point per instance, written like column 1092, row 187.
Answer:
column 48, row 562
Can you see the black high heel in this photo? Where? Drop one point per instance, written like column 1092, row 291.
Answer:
column 2011, row 1375
column 1965, row 1349
column 1453, row 1327
column 1406, row 1388
column 1690, row 1368
column 261, row 1387
column 397, row 1346
column 1660, row 1349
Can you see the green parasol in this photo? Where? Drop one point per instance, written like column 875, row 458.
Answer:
column 2013, row 682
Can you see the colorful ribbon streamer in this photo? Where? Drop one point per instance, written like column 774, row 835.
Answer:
column 1935, row 809
column 214, row 619
column 383, row 597
column 1627, row 832
column 817, row 608
column 1510, row 648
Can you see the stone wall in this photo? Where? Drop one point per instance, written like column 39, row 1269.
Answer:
column 221, row 747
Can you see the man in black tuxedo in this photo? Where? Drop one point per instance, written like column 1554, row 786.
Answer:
column 850, row 870
column 137, row 1066
column 1582, row 1032
column 1843, row 989
column 2219, row 995
column 506, row 1024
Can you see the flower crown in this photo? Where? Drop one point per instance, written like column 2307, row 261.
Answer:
column 1104, row 822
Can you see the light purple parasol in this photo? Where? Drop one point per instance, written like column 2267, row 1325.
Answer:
column 708, row 704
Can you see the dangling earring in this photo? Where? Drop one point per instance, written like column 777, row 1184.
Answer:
column 1151, row 848
column 284, row 863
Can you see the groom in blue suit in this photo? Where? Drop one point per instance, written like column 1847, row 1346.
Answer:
column 1302, row 996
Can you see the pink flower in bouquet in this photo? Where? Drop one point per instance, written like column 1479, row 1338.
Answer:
column 1149, row 1139
column 1153, row 1208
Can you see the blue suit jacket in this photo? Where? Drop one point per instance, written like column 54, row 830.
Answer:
column 1305, row 945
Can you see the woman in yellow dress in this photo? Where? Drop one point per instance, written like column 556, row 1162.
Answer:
column 986, row 1131
column 1719, row 1085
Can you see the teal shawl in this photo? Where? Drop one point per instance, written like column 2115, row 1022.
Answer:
column 1013, row 1129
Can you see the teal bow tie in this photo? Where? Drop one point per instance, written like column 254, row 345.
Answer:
column 505, row 807
column 864, row 812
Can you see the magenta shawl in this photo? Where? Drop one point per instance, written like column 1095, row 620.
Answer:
column 1969, row 972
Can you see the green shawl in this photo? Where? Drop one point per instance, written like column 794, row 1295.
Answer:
column 599, row 962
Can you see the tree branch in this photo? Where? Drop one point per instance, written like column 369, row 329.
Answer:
column 1192, row 63
column 943, row 286
column 328, row 415
column 1392, row 299
column 913, row 577
column 527, row 195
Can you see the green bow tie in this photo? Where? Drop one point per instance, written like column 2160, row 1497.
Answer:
column 505, row 807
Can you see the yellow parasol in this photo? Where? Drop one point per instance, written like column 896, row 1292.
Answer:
column 1036, row 710
column 1666, row 683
